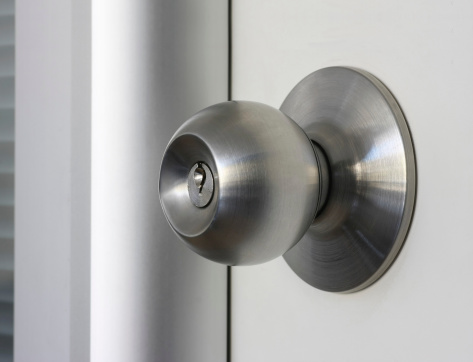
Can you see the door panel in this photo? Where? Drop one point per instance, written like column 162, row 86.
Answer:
column 421, row 308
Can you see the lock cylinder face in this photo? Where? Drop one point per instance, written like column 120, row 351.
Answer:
column 200, row 184
column 240, row 183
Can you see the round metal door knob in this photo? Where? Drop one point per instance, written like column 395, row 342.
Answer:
column 328, row 181
column 264, row 177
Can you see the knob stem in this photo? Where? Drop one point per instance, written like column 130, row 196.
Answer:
column 324, row 177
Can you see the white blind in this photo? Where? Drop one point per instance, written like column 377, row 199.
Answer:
column 7, row 170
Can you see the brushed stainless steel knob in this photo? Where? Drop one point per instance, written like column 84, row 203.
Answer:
column 328, row 181
column 240, row 183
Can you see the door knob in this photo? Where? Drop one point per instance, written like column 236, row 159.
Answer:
column 328, row 180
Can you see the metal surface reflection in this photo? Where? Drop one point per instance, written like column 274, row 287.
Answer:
column 266, row 183
column 328, row 180
column 362, row 130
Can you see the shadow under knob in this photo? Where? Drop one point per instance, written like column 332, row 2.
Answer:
column 240, row 183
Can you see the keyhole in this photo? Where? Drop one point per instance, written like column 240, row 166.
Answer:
column 199, row 178
column 200, row 184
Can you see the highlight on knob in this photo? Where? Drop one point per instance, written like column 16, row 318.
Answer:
column 239, row 183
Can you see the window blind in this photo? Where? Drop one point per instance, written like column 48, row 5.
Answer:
column 7, row 171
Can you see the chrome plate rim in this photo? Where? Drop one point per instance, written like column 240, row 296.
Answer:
column 360, row 126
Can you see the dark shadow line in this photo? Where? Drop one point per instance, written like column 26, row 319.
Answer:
column 229, row 268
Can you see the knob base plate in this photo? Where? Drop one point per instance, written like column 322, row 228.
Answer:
column 360, row 126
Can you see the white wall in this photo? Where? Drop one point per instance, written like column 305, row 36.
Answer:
column 52, row 181
column 100, row 90
column 421, row 310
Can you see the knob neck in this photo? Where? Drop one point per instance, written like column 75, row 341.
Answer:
column 324, row 177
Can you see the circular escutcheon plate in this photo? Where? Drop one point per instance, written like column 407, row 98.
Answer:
column 361, row 128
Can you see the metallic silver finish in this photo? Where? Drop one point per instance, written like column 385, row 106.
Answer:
column 324, row 176
column 344, row 184
column 200, row 184
column 266, row 183
column 357, row 122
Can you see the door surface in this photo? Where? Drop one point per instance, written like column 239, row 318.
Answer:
column 420, row 310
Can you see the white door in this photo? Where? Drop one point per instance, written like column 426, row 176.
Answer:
column 421, row 309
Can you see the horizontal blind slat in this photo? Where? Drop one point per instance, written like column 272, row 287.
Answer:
column 6, row 286
column 7, row 157
column 7, row 60
column 7, row 29
column 6, row 222
column 7, row 189
column 7, row 125
column 6, row 254
column 7, row 7
column 6, row 319
column 6, row 348
column 7, row 92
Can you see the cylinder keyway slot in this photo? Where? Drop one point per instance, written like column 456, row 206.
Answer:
column 200, row 184
column 199, row 178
